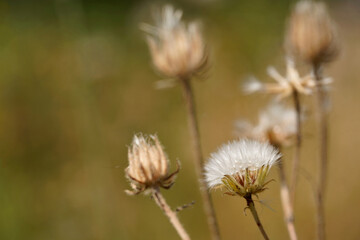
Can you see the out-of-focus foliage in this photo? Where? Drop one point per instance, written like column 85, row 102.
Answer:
column 76, row 83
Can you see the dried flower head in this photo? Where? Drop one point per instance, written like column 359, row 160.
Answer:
column 285, row 86
column 241, row 167
column 148, row 165
column 177, row 49
column 311, row 34
column 277, row 125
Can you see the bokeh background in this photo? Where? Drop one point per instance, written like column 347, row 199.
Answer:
column 76, row 83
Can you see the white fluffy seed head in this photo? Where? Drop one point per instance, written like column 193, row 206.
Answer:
column 276, row 124
column 240, row 159
column 279, row 123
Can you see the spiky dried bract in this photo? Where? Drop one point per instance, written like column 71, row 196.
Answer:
column 148, row 165
column 311, row 34
column 285, row 85
column 276, row 124
column 177, row 49
column 241, row 167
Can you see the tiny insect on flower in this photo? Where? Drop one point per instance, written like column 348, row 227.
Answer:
column 241, row 167
column 148, row 165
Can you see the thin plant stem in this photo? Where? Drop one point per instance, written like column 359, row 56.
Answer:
column 251, row 206
column 198, row 157
column 160, row 201
column 321, row 99
column 295, row 169
column 286, row 203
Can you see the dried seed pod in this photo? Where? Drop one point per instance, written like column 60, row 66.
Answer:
column 311, row 34
column 148, row 165
column 177, row 49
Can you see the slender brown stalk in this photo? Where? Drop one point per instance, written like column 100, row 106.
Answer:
column 286, row 203
column 196, row 146
column 323, row 133
column 295, row 169
column 251, row 206
column 160, row 201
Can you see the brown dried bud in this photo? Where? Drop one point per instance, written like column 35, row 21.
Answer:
column 148, row 165
column 177, row 50
column 311, row 34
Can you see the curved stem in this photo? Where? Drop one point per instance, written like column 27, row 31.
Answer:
column 286, row 203
column 251, row 206
column 323, row 132
column 295, row 169
column 196, row 146
column 160, row 201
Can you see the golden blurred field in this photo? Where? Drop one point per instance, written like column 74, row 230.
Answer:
column 76, row 83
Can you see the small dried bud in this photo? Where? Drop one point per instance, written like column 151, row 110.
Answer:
column 311, row 34
column 177, row 50
column 148, row 165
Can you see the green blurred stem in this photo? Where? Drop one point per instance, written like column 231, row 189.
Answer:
column 322, row 120
column 296, row 160
column 251, row 206
column 160, row 201
column 198, row 157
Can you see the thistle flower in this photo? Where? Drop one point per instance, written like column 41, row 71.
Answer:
column 241, row 167
column 276, row 124
column 177, row 49
column 311, row 34
column 285, row 86
column 148, row 165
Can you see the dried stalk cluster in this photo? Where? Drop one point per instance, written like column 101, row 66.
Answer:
column 313, row 39
column 240, row 167
column 178, row 51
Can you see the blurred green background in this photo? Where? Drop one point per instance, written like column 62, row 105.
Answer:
column 76, row 83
